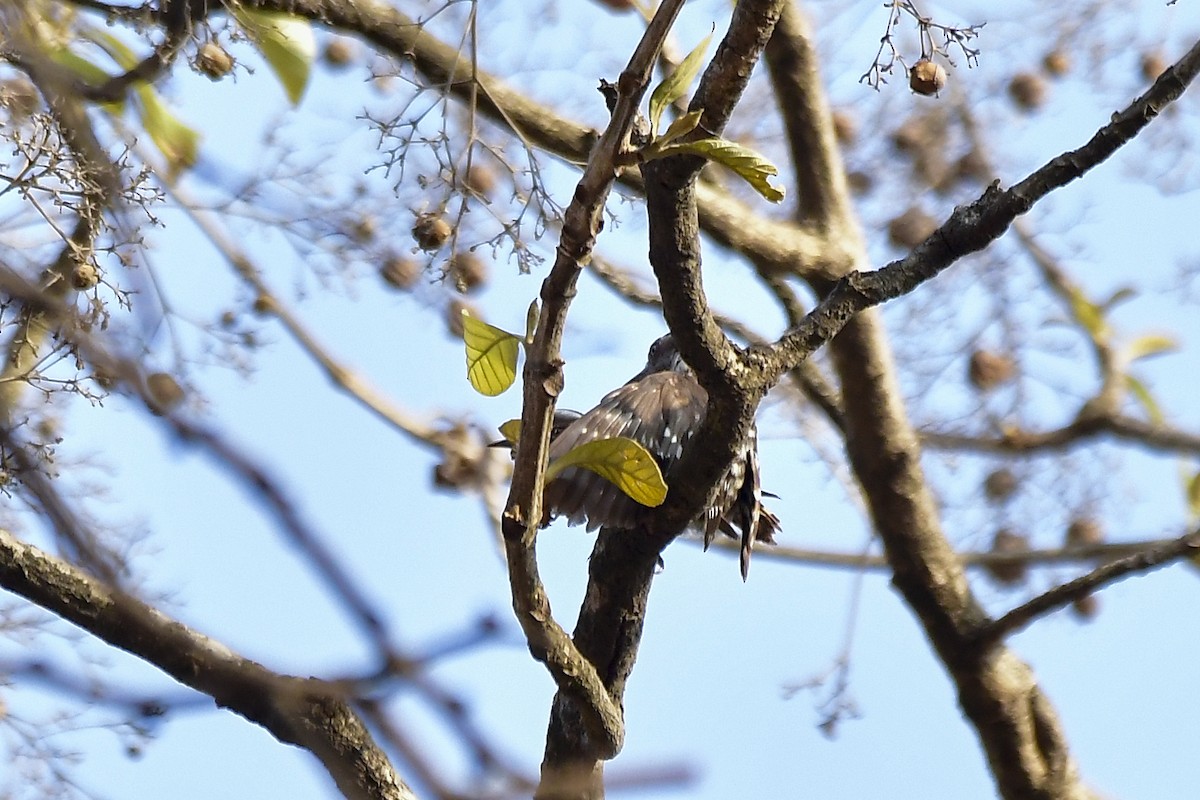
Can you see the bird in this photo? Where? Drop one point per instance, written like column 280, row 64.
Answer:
column 661, row 408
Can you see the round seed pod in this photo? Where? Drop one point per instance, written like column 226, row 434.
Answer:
column 400, row 272
column 454, row 315
column 1153, row 64
column 911, row 228
column 987, row 370
column 431, row 232
column 1008, row 573
column 340, row 52
column 468, row 271
column 480, row 179
column 844, row 127
column 1000, row 485
column 84, row 276
column 1027, row 90
column 1056, row 63
column 927, row 77
column 213, row 62
column 164, row 390
column 1086, row 608
column 1083, row 532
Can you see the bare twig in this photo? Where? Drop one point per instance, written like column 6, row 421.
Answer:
column 1187, row 546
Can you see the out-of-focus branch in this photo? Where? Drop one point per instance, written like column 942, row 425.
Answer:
column 973, row 227
column 773, row 245
column 61, row 318
column 1061, row 596
column 1081, row 430
column 1017, row 726
column 1075, row 554
column 98, row 181
column 295, row 710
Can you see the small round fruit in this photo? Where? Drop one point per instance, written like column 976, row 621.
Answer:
column 340, row 52
column 911, row 228
column 1084, row 532
column 1153, row 65
column 1056, row 63
column 454, row 316
column 1086, row 608
column 468, row 271
column 1008, row 573
column 85, row 276
column 480, row 179
column 844, row 127
column 213, row 61
column 1027, row 90
column 1000, row 485
column 431, row 232
column 164, row 390
column 987, row 370
column 927, row 77
column 400, row 272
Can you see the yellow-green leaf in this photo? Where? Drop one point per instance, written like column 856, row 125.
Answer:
column 1089, row 315
column 178, row 142
column 751, row 166
column 676, row 84
column 511, row 431
column 491, row 356
column 531, row 321
column 1151, row 344
column 1143, row 396
column 288, row 45
column 621, row 461
column 681, row 126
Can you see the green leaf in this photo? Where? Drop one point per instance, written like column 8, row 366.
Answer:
column 751, row 166
column 1142, row 393
column 286, row 42
column 531, row 321
column 1151, row 344
column 676, row 84
column 1119, row 296
column 1089, row 315
column 511, row 431
column 681, row 127
column 621, row 461
column 491, row 356
column 178, row 142
column 1193, row 497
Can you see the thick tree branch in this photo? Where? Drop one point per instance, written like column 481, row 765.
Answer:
column 295, row 710
column 1018, row 728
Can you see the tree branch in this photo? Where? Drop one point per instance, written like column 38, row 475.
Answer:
column 1187, row 546
column 295, row 710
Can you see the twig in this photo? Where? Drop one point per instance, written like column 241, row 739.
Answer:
column 1060, row 596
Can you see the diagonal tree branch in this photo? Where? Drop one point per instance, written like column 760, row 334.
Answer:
column 295, row 710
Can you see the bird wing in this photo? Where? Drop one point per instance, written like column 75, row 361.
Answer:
column 661, row 412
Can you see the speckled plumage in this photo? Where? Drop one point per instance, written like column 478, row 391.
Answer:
column 661, row 408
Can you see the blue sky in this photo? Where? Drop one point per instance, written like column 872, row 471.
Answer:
column 708, row 693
